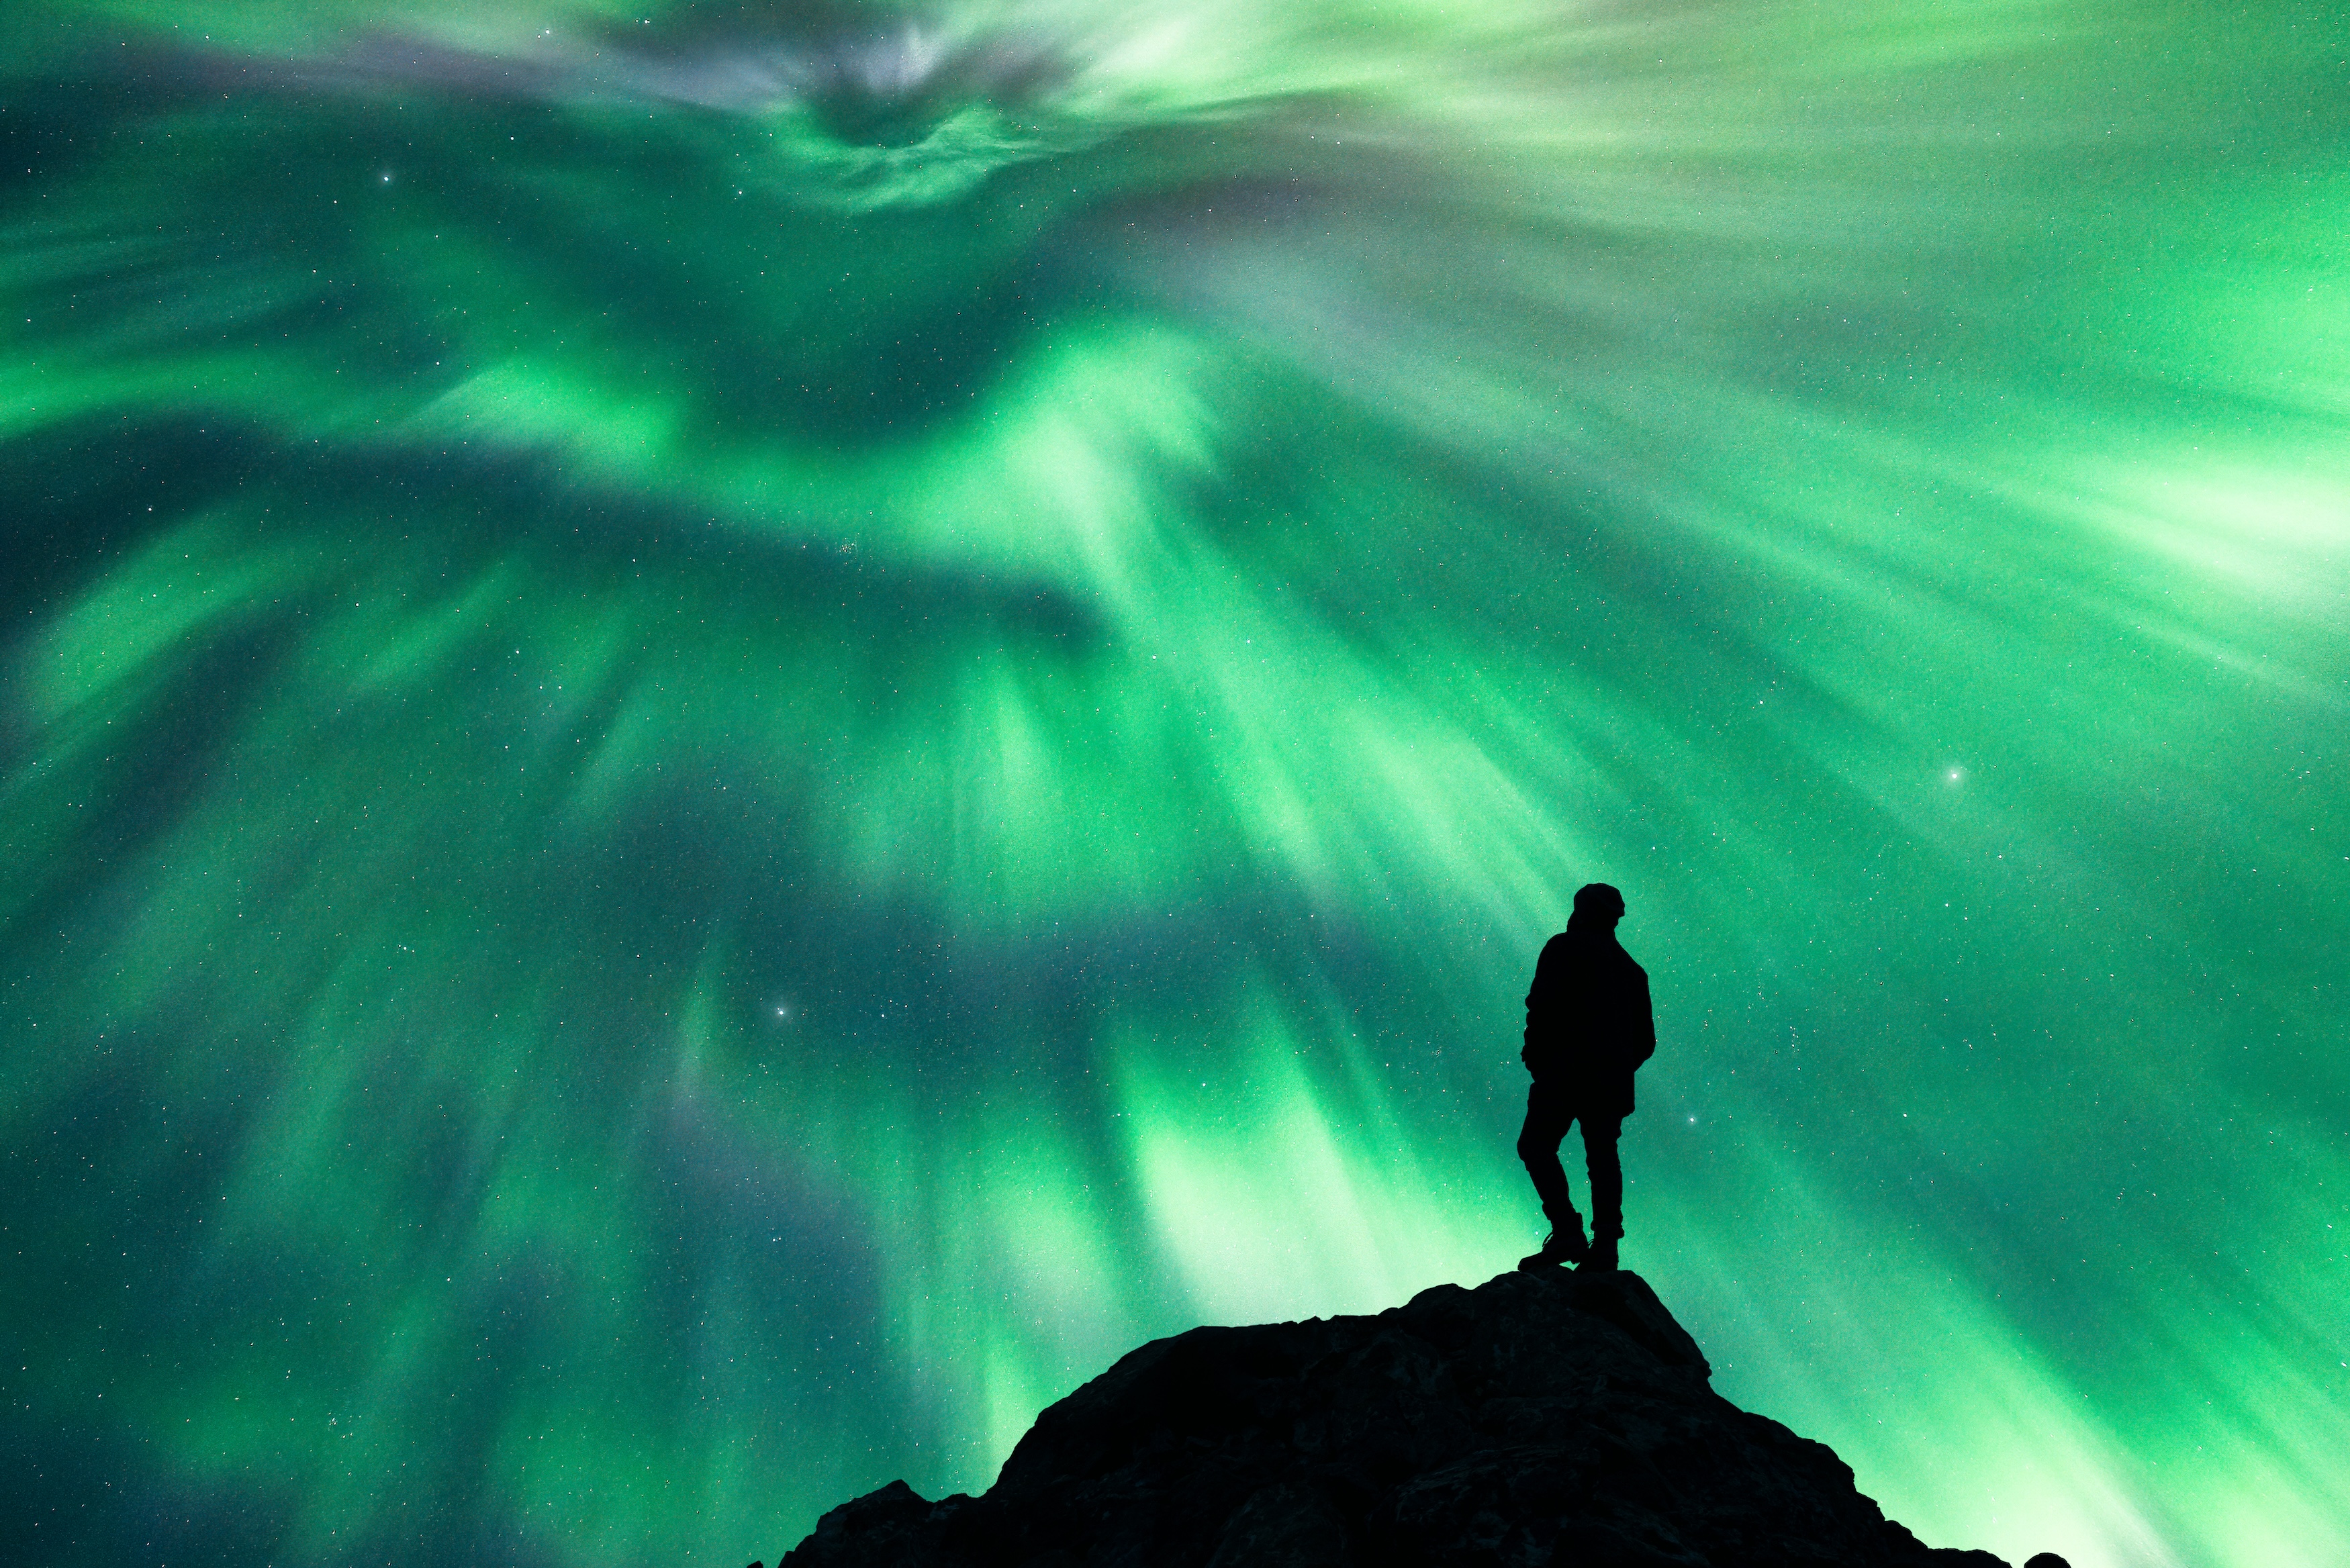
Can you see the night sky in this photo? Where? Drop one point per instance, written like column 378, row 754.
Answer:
column 731, row 735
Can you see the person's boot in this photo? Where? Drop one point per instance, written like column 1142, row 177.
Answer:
column 1564, row 1245
column 1600, row 1258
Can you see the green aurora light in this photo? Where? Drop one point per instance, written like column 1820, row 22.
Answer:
column 733, row 735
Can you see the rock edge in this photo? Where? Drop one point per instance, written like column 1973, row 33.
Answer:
column 1540, row 1418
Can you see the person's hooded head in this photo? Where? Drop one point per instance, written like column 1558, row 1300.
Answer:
column 1597, row 907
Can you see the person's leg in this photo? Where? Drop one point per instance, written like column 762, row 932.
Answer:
column 1599, row 1135
column 1547, row 1119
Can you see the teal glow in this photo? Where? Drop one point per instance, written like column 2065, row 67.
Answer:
column 733, row 735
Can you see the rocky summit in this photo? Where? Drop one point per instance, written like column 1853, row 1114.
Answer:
column 1548, row 1418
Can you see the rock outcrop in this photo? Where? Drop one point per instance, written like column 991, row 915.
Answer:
column 1549, row 1418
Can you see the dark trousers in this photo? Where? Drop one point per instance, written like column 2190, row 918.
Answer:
column 1550, row 1111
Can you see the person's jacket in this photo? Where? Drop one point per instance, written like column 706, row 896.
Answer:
column 1588, row 1022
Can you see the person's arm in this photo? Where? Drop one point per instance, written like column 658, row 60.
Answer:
column 1538, row 1006
column 1643, row 1021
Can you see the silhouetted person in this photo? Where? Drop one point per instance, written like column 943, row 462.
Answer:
column 1589, row 1029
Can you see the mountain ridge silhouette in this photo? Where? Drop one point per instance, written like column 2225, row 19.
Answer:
column 1541, row 1418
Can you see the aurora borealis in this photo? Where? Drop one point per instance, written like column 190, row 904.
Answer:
column 731, row 735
